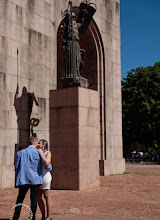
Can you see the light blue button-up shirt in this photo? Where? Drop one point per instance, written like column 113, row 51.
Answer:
column 28, row 167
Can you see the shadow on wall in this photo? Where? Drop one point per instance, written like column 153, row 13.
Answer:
column 25, row 124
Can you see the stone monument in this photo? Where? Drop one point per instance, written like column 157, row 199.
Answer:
column 74, row 112
column 34, row 28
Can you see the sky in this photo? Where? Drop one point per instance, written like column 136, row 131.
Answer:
column 140, row 34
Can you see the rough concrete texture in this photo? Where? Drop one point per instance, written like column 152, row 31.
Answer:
column 112, row 166
column 28, row 26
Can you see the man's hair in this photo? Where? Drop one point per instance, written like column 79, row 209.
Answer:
column 32, row 139
column 44, row 142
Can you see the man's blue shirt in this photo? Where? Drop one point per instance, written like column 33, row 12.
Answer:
column 28, row 167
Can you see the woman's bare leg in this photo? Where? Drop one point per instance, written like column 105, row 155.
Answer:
column 48, row 202
column 41, row 203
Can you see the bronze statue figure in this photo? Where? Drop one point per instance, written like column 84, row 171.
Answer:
column 73, row 24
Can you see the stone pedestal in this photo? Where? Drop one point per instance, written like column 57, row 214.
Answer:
column 68, row 82
column 74, row 138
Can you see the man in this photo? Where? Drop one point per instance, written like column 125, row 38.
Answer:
column 28, row 169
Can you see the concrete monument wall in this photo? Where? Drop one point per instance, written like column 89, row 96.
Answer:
column 28, row 25
column 31, row 26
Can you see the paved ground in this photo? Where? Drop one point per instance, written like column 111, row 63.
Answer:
column 133, row 195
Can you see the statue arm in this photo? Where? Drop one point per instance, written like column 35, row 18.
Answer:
column 85, row 15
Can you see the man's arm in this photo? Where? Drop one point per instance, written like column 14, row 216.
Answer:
column 49, row 167
column 17, row 164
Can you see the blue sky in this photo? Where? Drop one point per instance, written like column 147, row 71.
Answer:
column 140, row 33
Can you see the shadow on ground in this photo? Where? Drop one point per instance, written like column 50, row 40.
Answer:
column 4, row 219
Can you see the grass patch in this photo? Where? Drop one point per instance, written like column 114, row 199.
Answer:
column 54, row 213
column 136, row 173
column 125, row 173
column 119, row 174
column 145, row 174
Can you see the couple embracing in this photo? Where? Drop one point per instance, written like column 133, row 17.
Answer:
column 32, row 168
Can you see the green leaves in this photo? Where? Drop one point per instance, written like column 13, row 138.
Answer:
column 141, row 107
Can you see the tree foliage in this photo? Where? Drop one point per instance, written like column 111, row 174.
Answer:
column 141, row 107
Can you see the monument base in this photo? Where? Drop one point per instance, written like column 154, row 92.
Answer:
column 74, row 138
column 111, row 166
column 68, row 82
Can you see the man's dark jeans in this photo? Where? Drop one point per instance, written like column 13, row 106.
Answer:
column 33, row 197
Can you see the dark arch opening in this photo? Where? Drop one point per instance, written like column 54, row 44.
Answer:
column 93, row 70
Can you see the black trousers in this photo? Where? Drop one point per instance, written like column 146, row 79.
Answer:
column 33, row 197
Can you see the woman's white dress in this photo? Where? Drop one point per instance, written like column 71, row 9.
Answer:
column 46, row 178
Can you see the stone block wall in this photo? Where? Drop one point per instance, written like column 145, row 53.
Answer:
column 28, row 25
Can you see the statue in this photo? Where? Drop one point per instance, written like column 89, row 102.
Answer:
column 73, row 25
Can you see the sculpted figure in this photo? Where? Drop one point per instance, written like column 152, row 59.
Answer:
column 73, row 24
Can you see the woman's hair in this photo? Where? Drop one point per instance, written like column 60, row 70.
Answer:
column 44, row 142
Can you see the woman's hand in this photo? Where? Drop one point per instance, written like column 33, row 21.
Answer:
column 39, row 151
column 46, row 160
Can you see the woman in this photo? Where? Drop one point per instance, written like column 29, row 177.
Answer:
column 45, row 187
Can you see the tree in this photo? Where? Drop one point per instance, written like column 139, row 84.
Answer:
column 141, row 108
